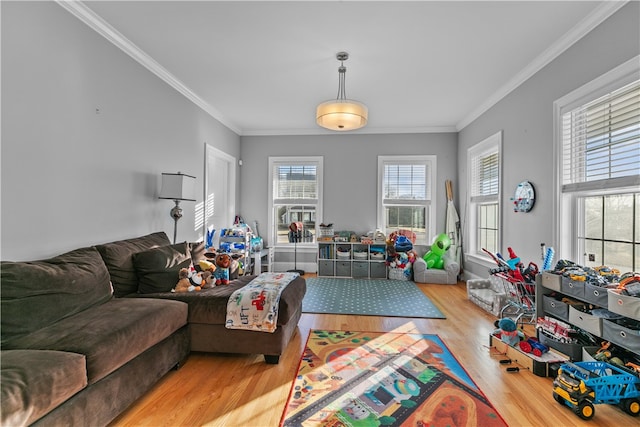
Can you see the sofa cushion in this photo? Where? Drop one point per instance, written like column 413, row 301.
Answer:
column 36, row 381
column 110, row 334
column 38, row 293
column 197, row 251
column 158, row 268
column 118, row 256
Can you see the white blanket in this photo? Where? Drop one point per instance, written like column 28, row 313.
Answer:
column 254, row 307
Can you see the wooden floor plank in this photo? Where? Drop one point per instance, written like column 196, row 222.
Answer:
column 243, row 391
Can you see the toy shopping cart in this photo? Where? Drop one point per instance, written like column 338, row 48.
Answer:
column 520, row 299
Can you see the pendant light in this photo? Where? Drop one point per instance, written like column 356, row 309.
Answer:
column 342, row 114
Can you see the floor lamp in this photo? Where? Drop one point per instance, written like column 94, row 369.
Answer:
column 177, row 187
column 295, row 231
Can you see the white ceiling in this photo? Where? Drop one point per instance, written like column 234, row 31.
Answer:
column 262, row 67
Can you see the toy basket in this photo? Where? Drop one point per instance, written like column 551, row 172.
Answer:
column 326, row 232
column 399, row 273
column 359, row 255
column 343, row 254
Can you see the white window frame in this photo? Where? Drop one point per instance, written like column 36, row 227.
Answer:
column 291, row 160
column 429, row 204
column 482, row 148
column 568, row 219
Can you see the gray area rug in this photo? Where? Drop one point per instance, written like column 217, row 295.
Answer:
column 368, row 297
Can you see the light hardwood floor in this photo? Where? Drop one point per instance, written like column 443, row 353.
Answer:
column 243, row 391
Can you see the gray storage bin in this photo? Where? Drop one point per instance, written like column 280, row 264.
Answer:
column 360, row 269
column 572, row 288
column 378, row 270
column 325, row 268
column 623, row 304
column 585, row 321
column 621, row 335
column 596, row 295
column 555, row 308
column 551, row 281
column 573, row 351
column 343, row 268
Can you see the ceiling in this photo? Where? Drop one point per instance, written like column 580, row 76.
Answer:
column 261, row 67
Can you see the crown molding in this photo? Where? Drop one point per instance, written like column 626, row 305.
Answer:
column 591, row 21
column 99, row 25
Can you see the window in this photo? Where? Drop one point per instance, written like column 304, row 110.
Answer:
column 484, row 195
column 598, row 142
column 404, row 195
column 296, row 195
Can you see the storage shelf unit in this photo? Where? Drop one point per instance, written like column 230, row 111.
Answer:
column 243, row 241
column 608, row 330
column 352, row 259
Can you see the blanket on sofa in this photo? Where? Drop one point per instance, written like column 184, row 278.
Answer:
column 254, row 307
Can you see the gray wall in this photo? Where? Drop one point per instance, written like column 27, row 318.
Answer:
column 72, row 177
column 350, row 173
column 526, row 117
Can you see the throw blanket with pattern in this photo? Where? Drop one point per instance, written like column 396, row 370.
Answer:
column 254, row 307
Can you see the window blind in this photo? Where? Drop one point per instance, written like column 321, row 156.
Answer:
column 406, row 182
column 485, row 172
column 295, row 181
column 601, row 141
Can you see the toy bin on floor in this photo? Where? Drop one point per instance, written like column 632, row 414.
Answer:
column 400, row 273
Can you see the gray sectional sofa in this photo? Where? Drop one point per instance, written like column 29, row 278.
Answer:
column 88, row 332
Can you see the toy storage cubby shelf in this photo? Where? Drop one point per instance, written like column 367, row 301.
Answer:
column 352, row 259
column 619, row 335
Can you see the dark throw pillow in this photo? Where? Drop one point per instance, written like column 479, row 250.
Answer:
column 158, row 268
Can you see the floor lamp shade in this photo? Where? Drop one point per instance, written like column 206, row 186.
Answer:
column 177, row 187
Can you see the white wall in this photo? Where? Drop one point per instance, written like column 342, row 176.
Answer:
column 526, row 117
column 72, row 176
column 350, row 173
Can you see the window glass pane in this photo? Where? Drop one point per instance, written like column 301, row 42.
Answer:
column 488, row 228
column 618, row 255
column 593, row 217
column 637, row 223
column 636, row 265
column 286, row 214
column 295, row 182
column 593, row 250
column 407, row 217
column 618, row 217
column 482, row 216
column 405, row 182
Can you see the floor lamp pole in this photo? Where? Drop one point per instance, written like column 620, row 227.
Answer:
column 176, row 214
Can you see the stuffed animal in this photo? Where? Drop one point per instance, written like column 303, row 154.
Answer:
column 184, row 283
column 221, row 274
column 440, row 245
column 508, row 331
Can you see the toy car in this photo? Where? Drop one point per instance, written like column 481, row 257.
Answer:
column 580, row 385
column 532, row 345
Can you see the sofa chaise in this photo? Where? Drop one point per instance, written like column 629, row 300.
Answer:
column 88, row 332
